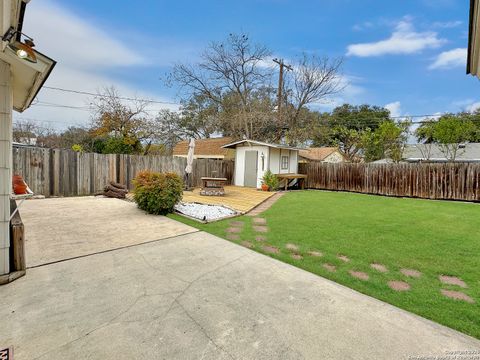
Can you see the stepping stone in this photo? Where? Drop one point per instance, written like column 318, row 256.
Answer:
column 330, row 267
column 233, row 237
column 260, row 229
column 411, row 273
column 379, row 267
column 343, row 258
column 292, row 247
column 315, row 253
column 452, row 280
column 457, row 295
column 260, row 238
column 234, row 230
column 297, row 256
column 270, row 249
column 399, row 285
column 247, row 244
column 259, row 221
column 359, row 275
column 237, row 223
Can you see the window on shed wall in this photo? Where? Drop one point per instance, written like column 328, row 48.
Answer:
column 284, row 162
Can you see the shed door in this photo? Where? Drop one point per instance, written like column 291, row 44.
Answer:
column 250, row 174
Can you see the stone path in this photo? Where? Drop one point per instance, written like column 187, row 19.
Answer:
column 259, row 226
column 411, row 273
column 266, row 204
column 379, row 267
column 399, row 285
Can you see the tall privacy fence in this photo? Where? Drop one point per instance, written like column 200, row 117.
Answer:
column 446, row 181
column 58, row 172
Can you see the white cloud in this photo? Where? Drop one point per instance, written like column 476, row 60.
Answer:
column 363, row 26
column 450, row 59
column 395, row 108
column 63, row 35
column 473, row 107
column 447, row 24
column 86, row 56
column 404, row 40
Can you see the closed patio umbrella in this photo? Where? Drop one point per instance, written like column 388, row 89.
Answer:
column 189, row 167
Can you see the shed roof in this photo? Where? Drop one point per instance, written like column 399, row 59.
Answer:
column 318, row 153
column 207, row 147
column 261, row 143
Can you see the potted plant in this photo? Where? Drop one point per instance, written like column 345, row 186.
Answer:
column 269, row 181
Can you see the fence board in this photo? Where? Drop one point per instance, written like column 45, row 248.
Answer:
column 56, row 172
column 445, row 181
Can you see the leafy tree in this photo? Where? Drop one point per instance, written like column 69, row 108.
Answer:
column 450, row 132
column 359, row 117
column 387, row 141
column 119, row 125
column 349, row 141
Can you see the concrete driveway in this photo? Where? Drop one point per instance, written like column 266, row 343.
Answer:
column 196, row 296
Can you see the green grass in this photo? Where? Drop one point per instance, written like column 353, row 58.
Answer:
column 433, row 237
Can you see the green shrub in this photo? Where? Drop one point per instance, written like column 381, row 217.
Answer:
column 271, row 180
column 157, row 193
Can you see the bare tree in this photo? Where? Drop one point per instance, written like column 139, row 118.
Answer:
column 313, row 80
column 25, row 131
column 229, row 72
column 112, row 116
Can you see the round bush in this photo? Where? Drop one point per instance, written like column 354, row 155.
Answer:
column 157, row 193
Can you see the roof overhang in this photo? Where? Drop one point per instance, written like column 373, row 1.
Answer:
column 27, row 77
column 258, row 143
column 474, row 39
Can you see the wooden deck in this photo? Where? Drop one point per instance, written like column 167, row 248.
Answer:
column 242, row 199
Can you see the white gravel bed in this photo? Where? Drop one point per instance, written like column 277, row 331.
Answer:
column 204, row 212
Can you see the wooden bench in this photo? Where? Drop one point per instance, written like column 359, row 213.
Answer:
column 287, row 177
column 213, row 186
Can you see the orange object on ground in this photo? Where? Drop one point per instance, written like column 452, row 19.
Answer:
column 19, row 185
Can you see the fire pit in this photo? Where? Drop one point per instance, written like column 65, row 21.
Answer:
column 213, row 186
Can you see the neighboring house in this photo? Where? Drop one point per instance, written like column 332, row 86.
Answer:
column 206, row 149
column 323, row 154
column 254, row 158
column 432, row 153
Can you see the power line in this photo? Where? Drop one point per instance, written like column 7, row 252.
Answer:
column 106, row 96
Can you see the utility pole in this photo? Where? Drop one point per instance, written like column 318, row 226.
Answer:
column 280, row 86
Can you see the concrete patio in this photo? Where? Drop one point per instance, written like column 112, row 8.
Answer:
column 196, row 296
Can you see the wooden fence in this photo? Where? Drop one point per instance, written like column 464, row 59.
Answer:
column 445, row 181
column 56, row 172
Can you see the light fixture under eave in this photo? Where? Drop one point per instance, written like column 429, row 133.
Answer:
column 23, row 51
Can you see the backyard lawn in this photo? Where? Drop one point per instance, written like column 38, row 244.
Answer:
column 393, row 249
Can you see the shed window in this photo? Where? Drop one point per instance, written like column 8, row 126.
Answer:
column 284, row 162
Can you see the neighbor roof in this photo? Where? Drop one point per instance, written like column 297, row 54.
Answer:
column 261, row 143
column 470, row 153
column 474, row 39
column 207, row 147
column 318, row 153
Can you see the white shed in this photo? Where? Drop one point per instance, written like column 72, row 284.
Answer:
column 254, row 158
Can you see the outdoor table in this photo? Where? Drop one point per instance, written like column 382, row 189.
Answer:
column 300, row 177
column 213, row 186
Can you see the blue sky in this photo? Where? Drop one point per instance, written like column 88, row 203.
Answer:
column 409, row 54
